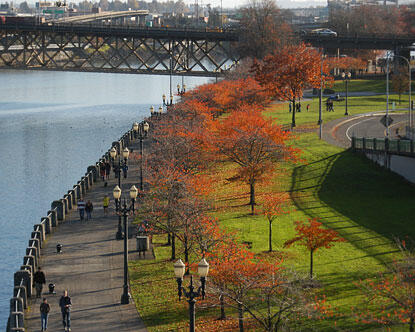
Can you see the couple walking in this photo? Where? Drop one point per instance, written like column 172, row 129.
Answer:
column 88, row 208
column 65, row 304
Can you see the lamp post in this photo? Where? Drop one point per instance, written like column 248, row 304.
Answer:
column 410, row 93
column 191, row 294
column 152, row 112
column 182, row 91
column 117, row 194
column 136, row 128
column 117, row 168
column 165, row 102
column 320, row 120
column 133, row 196
column 145, row 128
column 125, row 298
column 387, row 94
column 346, row 77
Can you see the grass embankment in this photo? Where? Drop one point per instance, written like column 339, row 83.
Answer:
column 376, row 86
column 364, row 203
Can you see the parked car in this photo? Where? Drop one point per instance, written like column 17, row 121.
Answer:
column 324, row 32
column 335, row 98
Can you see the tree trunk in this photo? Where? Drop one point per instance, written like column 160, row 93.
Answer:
column 270, row 236
column 173, row 247
column 241, row 317
column 411, row 325
column 168, row 239
column 222, row 308
column 252, row 197
column 293, row 118
column 311, row 264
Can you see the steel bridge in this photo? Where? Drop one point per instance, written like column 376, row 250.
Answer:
column 367, row 41
column 117, row 49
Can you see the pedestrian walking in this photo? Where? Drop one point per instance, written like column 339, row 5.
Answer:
column 289, row 105
column 107, row 170
column 81, row 208
column 89, row 207
column 102, row 171
column 106, row 203
column 39, row 279
column 44, row 313
column 124, row 170
column 308, row 107
column 299, row 107
column 65, row 304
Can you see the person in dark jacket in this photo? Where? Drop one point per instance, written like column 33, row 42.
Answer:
column 89, row 207
column 65, row 304
column 124, row 170
column 39, row 279
column 44, row 313
column 107, row 170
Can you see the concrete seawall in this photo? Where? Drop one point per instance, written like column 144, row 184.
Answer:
column 23, row 291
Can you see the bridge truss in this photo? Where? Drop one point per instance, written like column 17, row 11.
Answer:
column 93, row 48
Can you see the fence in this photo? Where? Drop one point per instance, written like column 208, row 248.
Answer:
column 23, row 278
column 392, row 146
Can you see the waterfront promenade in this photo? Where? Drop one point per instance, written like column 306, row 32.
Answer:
column 90, row 266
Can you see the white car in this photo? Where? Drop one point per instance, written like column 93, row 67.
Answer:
column 324, row 32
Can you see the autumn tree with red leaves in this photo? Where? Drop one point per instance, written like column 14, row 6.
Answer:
column 253, row 143
column 392, row 293
column 313, row 237
column 272, row 207
column 288, row 71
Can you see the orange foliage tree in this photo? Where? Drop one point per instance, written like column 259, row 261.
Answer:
column 288, row 71
column 228, row 95
column 272, row 207
column 313, row 237
column 252, row 142
column 393, row 293
column 234, row 273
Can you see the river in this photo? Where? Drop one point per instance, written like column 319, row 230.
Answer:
column 52, row 126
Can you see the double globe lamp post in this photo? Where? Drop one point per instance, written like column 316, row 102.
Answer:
column 191, row 294
column 142, row 132
column 125, row 155
column 124, row 210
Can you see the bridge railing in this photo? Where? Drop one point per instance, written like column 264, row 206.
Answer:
column 394, row 146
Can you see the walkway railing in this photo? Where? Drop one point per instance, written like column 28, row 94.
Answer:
column 23, row 278
column 391, row 146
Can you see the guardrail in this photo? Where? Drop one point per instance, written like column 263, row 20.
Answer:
column 23, row 278
column 392, row 146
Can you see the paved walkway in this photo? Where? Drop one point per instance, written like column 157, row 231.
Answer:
column 90, row 267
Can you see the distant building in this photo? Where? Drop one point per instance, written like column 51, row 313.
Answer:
column 309, row 15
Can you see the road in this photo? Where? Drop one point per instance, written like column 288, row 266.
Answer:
column 340, row 131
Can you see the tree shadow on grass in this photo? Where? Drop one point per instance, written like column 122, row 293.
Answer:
column 359, row 199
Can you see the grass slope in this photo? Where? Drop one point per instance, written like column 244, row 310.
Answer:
column 366, row 204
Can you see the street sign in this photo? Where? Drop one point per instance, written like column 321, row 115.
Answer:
column 383, row 120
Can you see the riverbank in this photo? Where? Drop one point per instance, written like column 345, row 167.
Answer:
column 91, row 263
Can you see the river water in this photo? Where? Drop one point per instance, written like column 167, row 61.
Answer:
column 52, row 126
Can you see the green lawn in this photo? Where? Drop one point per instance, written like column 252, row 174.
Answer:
column 378, row 86
column 366, row 204
column 356, row 105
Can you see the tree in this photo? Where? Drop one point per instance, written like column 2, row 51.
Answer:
column 288, row 71
column 24, row 7
column 262, row 29
column 272, row 207
column 393, row 293
column 253, row 143
column 234, row 274
column 280, row 298
column 400, row 81
column 313, row 237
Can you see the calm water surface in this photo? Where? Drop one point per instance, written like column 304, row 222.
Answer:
column 52, row 126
